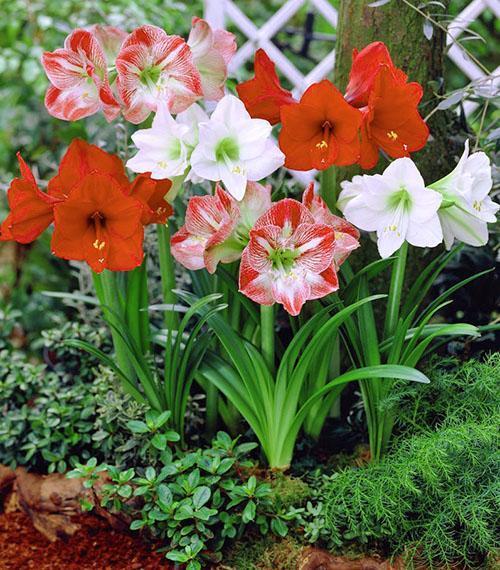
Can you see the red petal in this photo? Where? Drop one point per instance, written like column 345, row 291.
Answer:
column 71, row 104
column 263, row 95
column 110, row 105
column 152, row 194
column 31, row 209
column 126, row 254
column 365, row 66
column 5, row 232
column 188, row 249
column 286, row 213
column 253, row 284
column 84, row 42
column 323, row 284
column 316, row 244
column 369, row 155
column 80, row 159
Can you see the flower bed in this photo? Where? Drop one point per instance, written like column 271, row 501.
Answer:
column 250, row 386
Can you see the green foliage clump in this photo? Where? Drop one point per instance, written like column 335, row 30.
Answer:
column 50, row 411
column 71, row 361
column 435, row 497
column 46, row 417
column 192, row 500
column 458, row 392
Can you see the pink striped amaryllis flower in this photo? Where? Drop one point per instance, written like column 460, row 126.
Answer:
column 152, row 67
column 212, row 51
column 216, row 228
column 79, row 77
column 346, row 235
column 289, row 258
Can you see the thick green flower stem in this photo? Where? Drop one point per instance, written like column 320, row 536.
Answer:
column 112, row 308
column 167, row 271
column 212, row 414
column 328, row 188
column 384, row 421
column 267, row 335
column 395, row 290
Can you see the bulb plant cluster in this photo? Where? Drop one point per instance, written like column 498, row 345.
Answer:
column 248, row 255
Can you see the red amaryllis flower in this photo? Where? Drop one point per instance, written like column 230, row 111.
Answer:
column 212, row 51
column 321, row 130
column 346, row 235
column 391, row 120
column 152, row 194
column 289, row 258
column 389, row 104
column 78, row 73
column 365, row 67
column 99, row 224
column 31, row 210
column 217, row 227
column 153, row 66
column 263, row 95
column 81, row 159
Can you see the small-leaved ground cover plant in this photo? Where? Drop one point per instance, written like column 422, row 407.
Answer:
column 193, row 500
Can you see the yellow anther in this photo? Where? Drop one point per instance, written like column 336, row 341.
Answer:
column 100, row 245
column 321, row 145
column 392, row 135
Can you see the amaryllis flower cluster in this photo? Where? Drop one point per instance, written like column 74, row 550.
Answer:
column 98, row 214
column 104, row 68
column 399, row 207
column 378, row 111
column 290, row 251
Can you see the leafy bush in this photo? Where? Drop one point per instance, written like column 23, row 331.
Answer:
column 70, row 361
column 458, row 391
column 46, row 417
column 49, row 412
column 193, row 500
column 435, row 498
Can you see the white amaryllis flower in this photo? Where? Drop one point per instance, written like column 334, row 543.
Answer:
column 165, row 148
column 234, row 148
column 466, row 208
column 396, row 205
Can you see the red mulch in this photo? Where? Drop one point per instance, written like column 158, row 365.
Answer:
column 95, row 546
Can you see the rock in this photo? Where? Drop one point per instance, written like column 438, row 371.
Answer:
column 7, row 477
column 316, row 559
column 50, row 501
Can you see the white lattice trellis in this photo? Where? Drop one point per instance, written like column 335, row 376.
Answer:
column 217, row 12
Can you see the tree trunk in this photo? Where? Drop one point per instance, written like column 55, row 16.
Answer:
column 400, row 27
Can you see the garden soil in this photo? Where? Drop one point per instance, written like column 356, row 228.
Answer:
column 95, row 546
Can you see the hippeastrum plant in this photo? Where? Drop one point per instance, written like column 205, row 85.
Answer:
column 291, row 256
column 248, row 256
column 399, row 207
